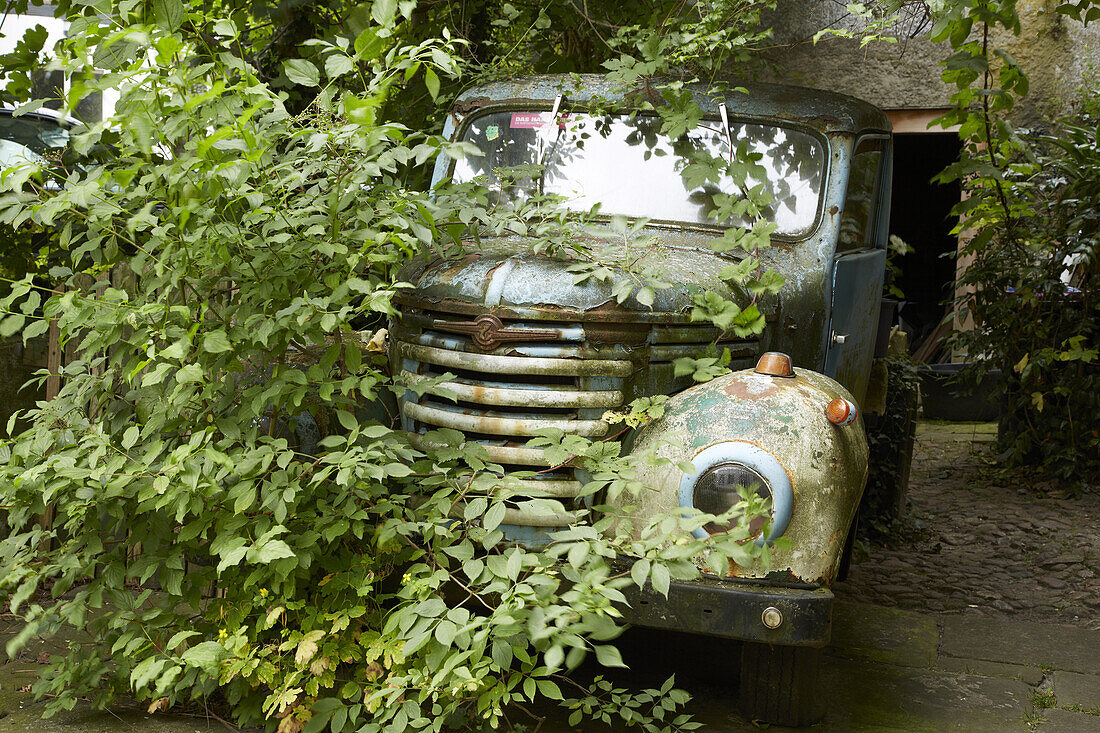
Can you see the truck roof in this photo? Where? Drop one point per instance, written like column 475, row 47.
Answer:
column 820, row 110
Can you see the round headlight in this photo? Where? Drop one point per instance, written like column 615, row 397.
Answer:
column 719, row 488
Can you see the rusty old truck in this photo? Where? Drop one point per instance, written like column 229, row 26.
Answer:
column 528, row 348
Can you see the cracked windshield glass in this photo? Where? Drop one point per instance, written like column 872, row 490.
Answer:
column 629, row 168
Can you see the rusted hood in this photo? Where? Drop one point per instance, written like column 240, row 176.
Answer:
column 500, row 274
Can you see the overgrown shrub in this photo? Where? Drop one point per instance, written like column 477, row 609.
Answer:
column 1032, row 293
column 1032, row 272
column 219, row 273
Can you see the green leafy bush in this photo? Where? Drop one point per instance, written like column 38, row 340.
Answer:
column 1034, row 302
column 231, row 526
column 1031, row 276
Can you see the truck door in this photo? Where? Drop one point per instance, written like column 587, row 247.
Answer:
column 858, row 266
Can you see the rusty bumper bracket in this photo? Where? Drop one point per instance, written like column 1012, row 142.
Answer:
column 733, row 609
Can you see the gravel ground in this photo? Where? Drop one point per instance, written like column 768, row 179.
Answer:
column 981, row 541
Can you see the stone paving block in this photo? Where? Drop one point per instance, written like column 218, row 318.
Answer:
column 1028, row 675
column 864, row 696
column 1067, row 721
column 880, row 634
column 1072, row 688
column 1019, row 642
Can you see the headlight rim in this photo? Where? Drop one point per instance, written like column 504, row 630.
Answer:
column 756, row 459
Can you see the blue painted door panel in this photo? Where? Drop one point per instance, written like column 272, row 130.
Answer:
column 853, row 323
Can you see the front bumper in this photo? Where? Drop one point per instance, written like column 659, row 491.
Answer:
column 733, row 609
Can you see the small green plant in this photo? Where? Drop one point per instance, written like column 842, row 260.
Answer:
column 1042, row 699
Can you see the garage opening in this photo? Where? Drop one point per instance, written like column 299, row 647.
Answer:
column 920, row 213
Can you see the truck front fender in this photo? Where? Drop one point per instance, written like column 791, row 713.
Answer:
column 776, row 426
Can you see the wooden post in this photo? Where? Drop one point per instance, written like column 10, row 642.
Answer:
column 53, row 387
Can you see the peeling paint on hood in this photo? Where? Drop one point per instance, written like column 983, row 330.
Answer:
column 502, row 275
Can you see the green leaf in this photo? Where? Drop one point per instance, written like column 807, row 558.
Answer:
column 346, row 419
column 146, row 671
column 233, row 557
column 216, row 342
column 178, row 638
column 130, row 437
column 430, row 608
column 639, row 571
column 609, row 656
column 660, row 579
column 445, row 632
column 205, row 656
column 550, row 689
column 514, row 564
column 169, row 13
column 494, row 516
column 35, row 328
column 338, row 64
column 270, row 551
column 10, row 325
column 368, row 44
column 554, row 657
column 189, row 374
column 302, row 72
column 383, row 12
column 432, row 82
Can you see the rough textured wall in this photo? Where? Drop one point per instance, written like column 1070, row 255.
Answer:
column 1059, row 55
column 888, row 75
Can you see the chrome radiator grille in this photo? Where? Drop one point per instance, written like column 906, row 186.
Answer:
column 540, row 375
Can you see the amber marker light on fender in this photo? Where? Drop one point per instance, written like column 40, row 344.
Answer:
column 840, row 411
column 775, row 364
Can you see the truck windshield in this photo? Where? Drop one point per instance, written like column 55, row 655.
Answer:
column 627, row 167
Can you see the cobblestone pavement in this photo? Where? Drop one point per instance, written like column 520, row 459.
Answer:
column 980, row 542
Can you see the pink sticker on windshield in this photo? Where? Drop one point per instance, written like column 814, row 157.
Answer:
column 529, row 120
column 535, row 120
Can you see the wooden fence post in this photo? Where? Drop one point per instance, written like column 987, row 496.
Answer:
column 53, row 386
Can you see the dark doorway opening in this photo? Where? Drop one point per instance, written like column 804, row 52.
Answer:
column 920, row 213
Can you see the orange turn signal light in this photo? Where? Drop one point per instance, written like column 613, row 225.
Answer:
column 776, row 364
column 840, row 411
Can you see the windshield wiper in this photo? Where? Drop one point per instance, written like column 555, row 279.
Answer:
column 551, row 129
column 545, row 134
column 726, row 128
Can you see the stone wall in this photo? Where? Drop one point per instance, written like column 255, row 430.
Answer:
column 1059, row 55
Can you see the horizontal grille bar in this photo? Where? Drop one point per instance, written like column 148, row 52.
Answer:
column 441, row 321
column 537, row 350
column 567, row 488
column 500, row 425
column 508, row 397
column 510, row 454
column 668, row 353
column 493, row 363
column 521, row 517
